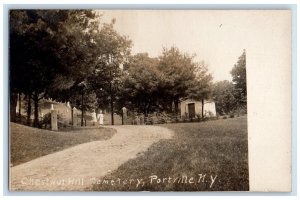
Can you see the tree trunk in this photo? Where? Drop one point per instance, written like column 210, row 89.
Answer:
column 202, row 109
column 13, row 105
column 82, row 108
column 176, row 102
column 28, row 109
column 36, row 109
column 112, row 110
column 145, row 107
column 72, row 117
column 20, row 104
column 111, row 104
column 148, row 108
column 111, row 97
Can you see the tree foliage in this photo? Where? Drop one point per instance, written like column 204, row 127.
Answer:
column 53, row 51
column 202, row 85
column 178, row 74
column 160, row 83
column 224, row 97
column 239, row 78
column 113, row 51
column 141, row 83
column 232, row 96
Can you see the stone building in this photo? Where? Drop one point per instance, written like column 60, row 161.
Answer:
column 193, row 108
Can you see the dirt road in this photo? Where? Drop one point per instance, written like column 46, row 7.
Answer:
column 76, row 168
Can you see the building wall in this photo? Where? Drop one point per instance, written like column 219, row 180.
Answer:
column 209, row 107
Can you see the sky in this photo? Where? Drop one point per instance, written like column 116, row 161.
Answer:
column 216, row 37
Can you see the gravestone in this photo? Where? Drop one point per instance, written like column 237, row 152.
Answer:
column 54, row 120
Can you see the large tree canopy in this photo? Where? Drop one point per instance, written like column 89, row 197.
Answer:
column 160, row 83
column 49, row 45
column 178, row 71
column 141, row 83
column 53, row 51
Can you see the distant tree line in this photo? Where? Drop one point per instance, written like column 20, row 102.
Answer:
column 229, row 96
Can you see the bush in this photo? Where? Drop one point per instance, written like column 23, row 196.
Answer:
column 46, row 120
column 231, row 115
column 159, row 118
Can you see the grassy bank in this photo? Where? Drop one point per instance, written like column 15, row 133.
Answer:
column 208, row 156
column 28, row 143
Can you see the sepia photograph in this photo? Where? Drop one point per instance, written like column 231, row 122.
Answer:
column 133, row 100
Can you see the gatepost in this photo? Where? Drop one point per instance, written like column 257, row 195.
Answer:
column 124, row 114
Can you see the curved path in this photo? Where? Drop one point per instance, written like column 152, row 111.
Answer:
column 75, row 168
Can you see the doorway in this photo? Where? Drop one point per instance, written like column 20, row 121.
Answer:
column 191, row 109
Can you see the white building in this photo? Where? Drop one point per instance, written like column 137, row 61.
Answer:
column 192, row 108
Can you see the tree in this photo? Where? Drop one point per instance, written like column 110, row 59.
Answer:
column 28, row 46
column 94, row 58
column 178, row 75
column 202, row 86
column 239, row 79
column 224, row 97
column 159, row 83
column 46, row 45
column 85, row 100
column 141, row 83
column 113, row 50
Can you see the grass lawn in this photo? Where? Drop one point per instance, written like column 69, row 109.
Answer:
column 207, row 156
column 28, row 143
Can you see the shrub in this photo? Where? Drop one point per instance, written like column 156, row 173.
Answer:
column 46, row 120
column 231, row 115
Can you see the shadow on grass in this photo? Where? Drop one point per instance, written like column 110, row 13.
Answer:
column 209, row 156
column 27, row 143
